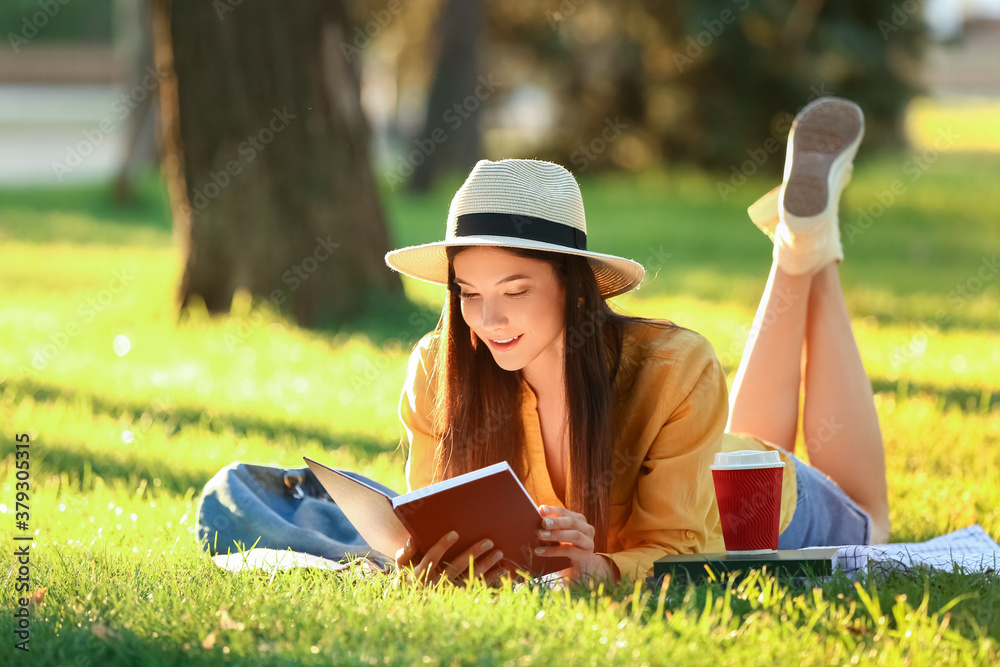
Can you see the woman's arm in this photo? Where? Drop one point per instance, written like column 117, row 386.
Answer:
column 683, row 390
column 672, row 497
column 415, row 406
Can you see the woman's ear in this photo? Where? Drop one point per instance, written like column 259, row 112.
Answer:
column 579, row 302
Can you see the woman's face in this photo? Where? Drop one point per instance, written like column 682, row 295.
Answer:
column 516, row 305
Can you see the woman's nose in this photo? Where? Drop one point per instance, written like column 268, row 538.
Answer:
column 493, row 314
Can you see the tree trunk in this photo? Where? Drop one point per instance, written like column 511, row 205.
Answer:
column 266, row 157
column 451, row 138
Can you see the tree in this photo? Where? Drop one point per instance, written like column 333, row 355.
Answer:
column 451, row 139
column 711, row 82
column 266, row 156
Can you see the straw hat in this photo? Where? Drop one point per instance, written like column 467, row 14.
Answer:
column 517, row 204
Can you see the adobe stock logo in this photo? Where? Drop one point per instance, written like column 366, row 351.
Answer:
column 696, row 44
column 381, row 19
column 87, row 311
column 455, row 116
column 30, row 26
column 248, row 150
column 294, row 276
column 121, row 107
column 585, row 154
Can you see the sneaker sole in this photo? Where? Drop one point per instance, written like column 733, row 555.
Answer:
column 821, row 133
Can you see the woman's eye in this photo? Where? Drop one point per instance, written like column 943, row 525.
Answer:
column 465, row 296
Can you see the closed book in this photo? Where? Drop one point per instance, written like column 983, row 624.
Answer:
column 490, row 503
column 811, row 561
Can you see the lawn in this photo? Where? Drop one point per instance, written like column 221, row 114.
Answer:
column 130, row 413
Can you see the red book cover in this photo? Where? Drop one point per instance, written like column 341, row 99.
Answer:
column 490, row 503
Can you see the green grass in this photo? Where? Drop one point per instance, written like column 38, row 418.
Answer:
column 121, row 445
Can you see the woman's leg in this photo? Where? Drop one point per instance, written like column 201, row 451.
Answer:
column 840, row 425
column 764, row 401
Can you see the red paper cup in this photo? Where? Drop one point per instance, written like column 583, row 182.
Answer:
column 748, row 493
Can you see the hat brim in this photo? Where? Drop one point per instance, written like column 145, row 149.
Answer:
column 429, row 262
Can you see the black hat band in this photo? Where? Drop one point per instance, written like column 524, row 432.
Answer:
column 520, row 227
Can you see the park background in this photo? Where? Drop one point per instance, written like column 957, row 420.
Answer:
column 135, row 390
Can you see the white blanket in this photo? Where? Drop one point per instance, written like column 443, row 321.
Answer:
column 968, row 550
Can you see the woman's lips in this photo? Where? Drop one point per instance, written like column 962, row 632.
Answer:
column 504, row 346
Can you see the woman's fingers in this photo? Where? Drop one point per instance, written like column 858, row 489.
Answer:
column 436, row 563
column 575, row 537
column 460, row 563
column 495, row 575
column 432, row 559
column 564, row 526
column 569, row 534
column 559, row 518
column 569, row 551
column 478, row 555
column 405, row 554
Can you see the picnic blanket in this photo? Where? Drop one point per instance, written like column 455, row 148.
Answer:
column 968, row 549
column 273, row 560
column 263, row 517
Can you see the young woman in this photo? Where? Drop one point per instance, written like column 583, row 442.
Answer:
column 611, row 422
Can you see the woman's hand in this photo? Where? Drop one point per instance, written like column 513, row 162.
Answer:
column 566, row 533
column 435, row 565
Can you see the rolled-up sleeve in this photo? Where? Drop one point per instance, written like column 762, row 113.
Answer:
column 673, row 497
column 415, row 412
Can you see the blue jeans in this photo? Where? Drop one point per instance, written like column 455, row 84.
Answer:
column 824, row 515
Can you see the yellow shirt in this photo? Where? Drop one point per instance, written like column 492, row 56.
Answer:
column 671, row 412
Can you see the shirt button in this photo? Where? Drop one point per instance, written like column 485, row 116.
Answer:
column 689, row 534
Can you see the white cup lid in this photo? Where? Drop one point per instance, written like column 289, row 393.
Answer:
column 747, row 459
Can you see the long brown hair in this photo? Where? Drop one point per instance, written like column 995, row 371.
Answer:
column 477, row 410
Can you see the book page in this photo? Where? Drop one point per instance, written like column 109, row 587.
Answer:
column 367, row 508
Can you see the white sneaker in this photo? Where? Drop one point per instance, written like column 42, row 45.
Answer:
column 802, row 218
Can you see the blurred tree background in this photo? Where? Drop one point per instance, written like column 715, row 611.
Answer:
column 266, row 155
column 428, row 87
column 630, row 85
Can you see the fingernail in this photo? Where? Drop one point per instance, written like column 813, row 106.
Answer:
column 488, row 544
column 497, row 556
column 544, row 508
column 547, row 523
column 452, row 536
column 544, row 533
column 539, row 550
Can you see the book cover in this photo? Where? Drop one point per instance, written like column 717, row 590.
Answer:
column 788, row 562
column 490, row 503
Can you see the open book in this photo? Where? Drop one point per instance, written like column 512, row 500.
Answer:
column 490, row 503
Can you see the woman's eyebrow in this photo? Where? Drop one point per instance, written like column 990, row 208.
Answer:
column 517, row 276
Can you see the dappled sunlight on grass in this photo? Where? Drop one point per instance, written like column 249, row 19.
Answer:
column 131, row 412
